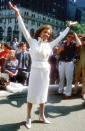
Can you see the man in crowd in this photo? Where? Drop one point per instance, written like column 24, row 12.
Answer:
column 24, row 65
column 66, row 63
column 15, row 44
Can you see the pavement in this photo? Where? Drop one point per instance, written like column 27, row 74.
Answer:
column 65, row 115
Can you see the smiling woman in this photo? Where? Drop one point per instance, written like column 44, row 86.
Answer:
column 40, row 49
column 46, row 31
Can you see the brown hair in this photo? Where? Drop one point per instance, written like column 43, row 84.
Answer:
column 23, row 43
column 12, row 51
column 37, row 34
column 7, row 46
column 70, row 33
column 83, row 38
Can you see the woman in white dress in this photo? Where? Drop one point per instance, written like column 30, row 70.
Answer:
column 40, row 49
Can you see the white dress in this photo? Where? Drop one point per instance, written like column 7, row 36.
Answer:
column 39, row 75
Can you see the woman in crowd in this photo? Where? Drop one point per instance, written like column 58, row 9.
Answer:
column 4, row 55
column 53, row 60
column 80, row 68
column 11, row 66
column 40, row 49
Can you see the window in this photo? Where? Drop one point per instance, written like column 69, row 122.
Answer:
column 44, row 18
column 9, row 34
column 39, row 17
column 1, row 33
column 16, row 21
column 24, row 13
column 27, row 14
column 48, row 20
column 38, row 24
column 16, row 27
column 1, row 20
column 16, row 34
column 9, row 20
column 32, row 22
column 33, row 15
column 54, row 10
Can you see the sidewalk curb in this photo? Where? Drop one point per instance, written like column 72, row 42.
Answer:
column 52, row 90
column 4, row 93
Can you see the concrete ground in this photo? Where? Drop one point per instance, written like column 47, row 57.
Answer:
column 65, row 115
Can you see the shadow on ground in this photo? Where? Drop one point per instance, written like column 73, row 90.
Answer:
column 12, row 126
column 53, row 111
column 12, row 99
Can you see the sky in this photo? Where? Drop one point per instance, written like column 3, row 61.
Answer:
column 80, row 3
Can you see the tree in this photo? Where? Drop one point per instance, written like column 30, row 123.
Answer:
column 78, row 28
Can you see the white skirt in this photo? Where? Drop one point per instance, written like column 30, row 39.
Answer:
column 38, row 86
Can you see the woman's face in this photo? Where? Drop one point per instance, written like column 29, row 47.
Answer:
column 45, row 34
column 12, row 55
column 70, row 38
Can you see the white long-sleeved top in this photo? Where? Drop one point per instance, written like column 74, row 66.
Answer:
column 39, row 49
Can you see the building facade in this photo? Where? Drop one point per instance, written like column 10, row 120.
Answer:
column 33, row 18
column 52, row 8
column 71, row 9
column 9, row 25
column 80, row 15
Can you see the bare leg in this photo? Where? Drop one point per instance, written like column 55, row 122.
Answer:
column 75, row 91
column 29, row 108
column 42, row 116
column 41, row 110
column 77, row 78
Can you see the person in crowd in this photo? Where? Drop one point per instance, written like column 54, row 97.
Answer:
column 24, row 65
column 53, row 60
column 11, row 66
column 40, row 49
column 19, row 48
column 66, row 63
column 0, row 47
column 80, row 69
column 14, row 44
column 4, row 82
column 4, row 54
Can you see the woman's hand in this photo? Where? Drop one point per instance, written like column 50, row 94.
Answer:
column 71, row 23
column 77, row 40
column 13, row 7
column 75, row 34
column 11, row 74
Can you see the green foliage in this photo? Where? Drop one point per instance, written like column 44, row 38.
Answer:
column 78, row 28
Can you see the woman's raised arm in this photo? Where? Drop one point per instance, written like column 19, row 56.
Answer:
column 21, row 24
column 13, row 7
column 62, row 35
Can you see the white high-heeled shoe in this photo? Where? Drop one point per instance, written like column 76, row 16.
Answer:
column 28, row 123
column 44, row 120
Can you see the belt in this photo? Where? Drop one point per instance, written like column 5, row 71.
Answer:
column 23, row 69
column 40, row 64
column 66, row 60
